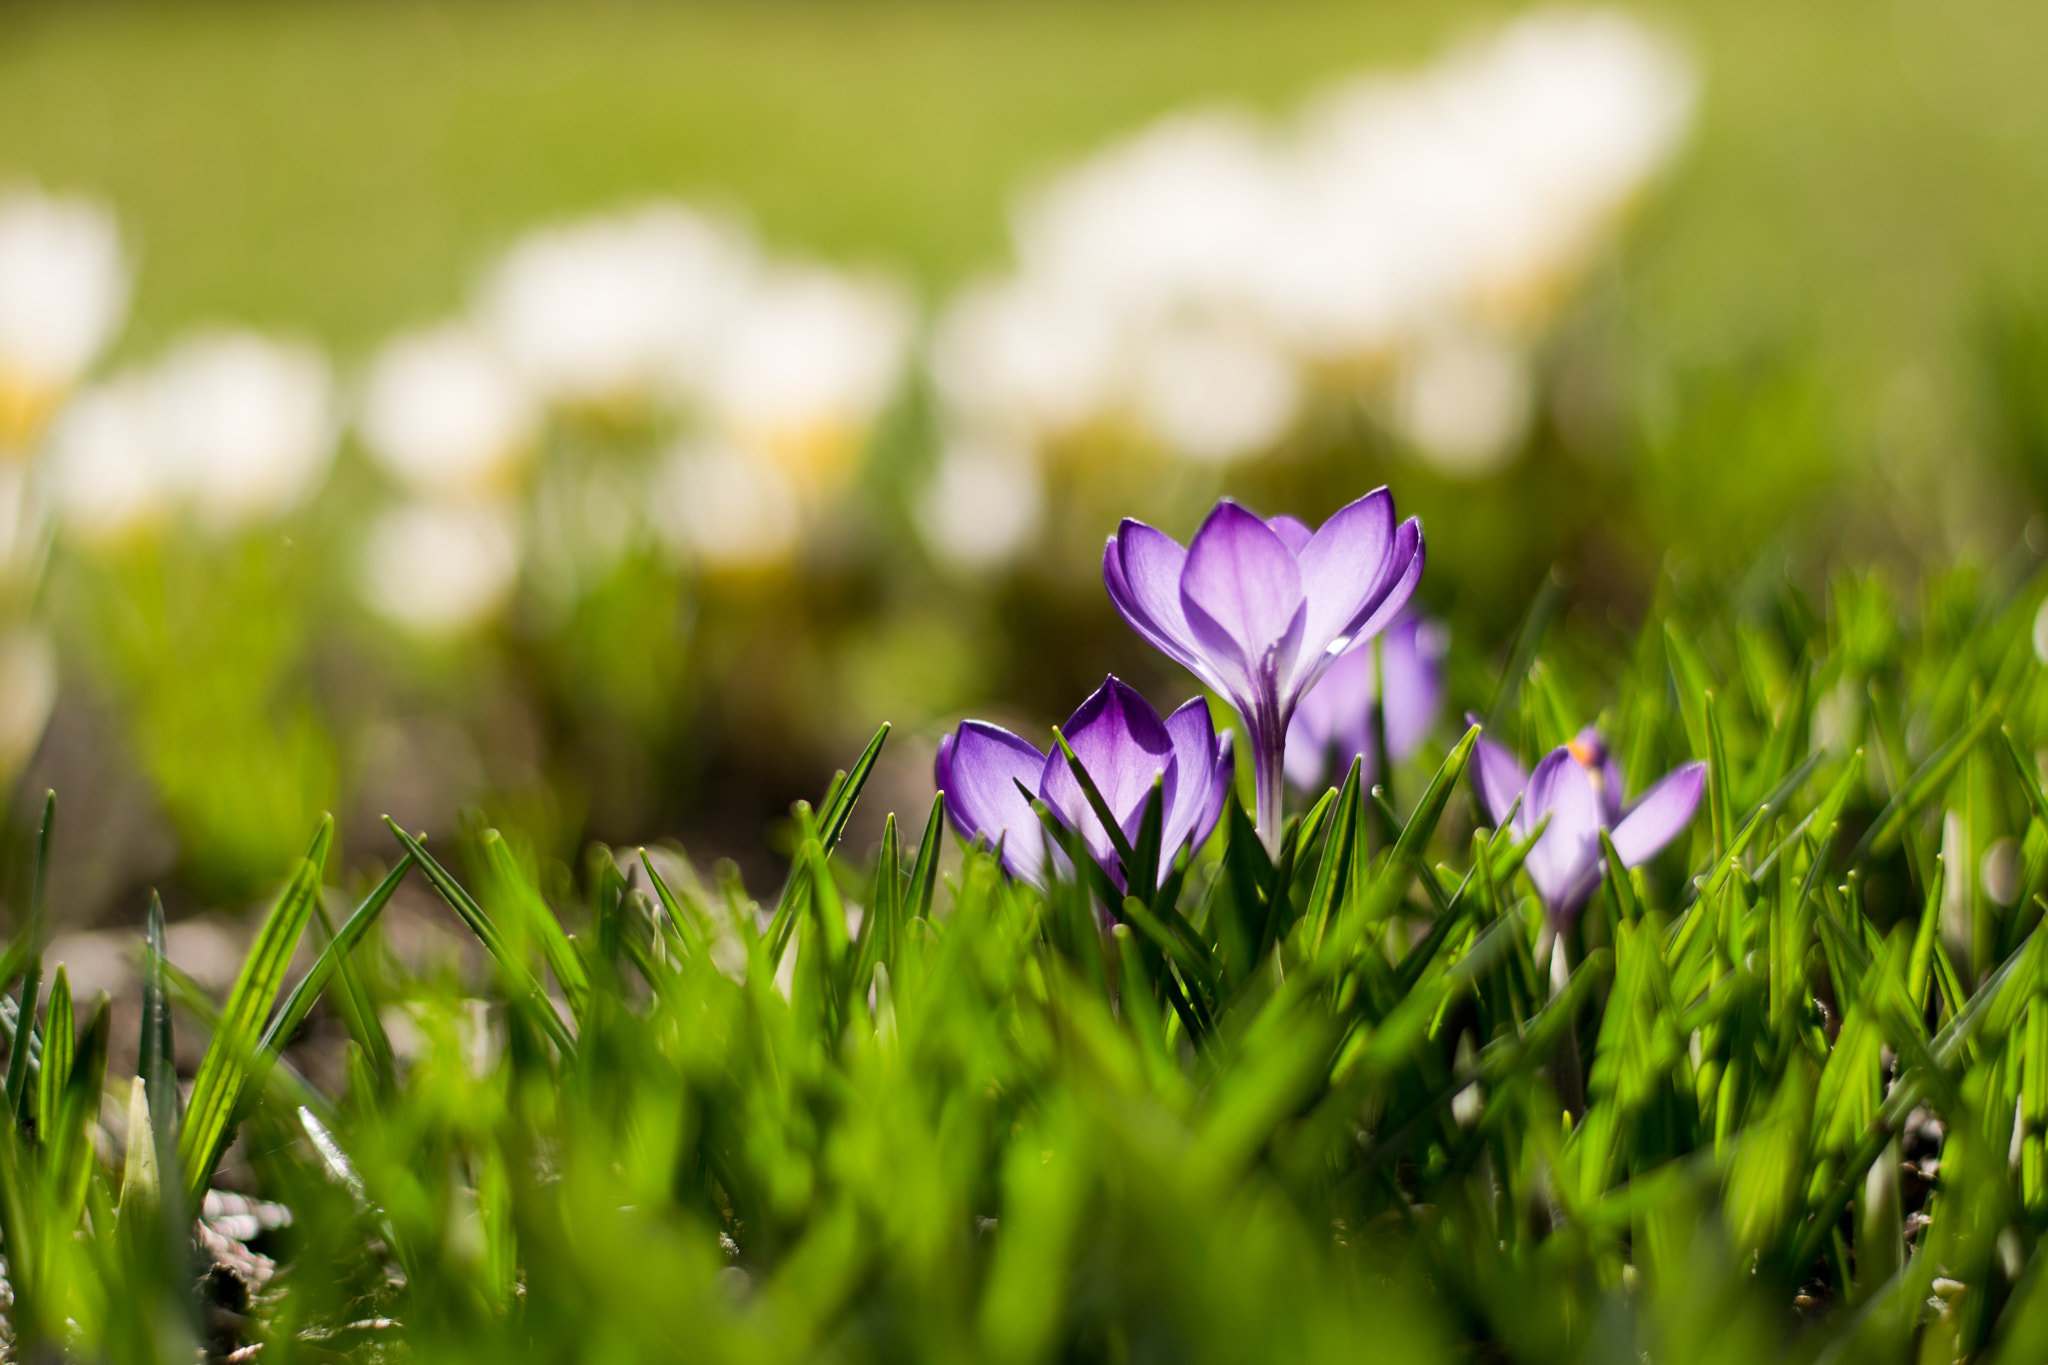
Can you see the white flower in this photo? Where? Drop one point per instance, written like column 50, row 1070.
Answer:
column 1464, row 400
column 1581, row 108
column 1397, row 211
column 983, row 505
column 1380, row 199
column 726, row 508
column 1216, row 393
column 1024, row 356
column 105, row 475
column 1483, row 182
column 810, row 360
column 440, row 568
column 28, row 693
column 444, row 414
column 63, row 292
column 628, row 307
column 246, row 425
column 1169, row 218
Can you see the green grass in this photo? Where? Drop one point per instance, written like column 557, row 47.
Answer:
column 1780, row 1094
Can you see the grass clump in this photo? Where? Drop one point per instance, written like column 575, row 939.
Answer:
column 1781, row 1093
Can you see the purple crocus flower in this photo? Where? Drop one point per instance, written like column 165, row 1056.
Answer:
column 1334, row 720
column 1259, row 609
column 1124, row 746
column 1578, row 785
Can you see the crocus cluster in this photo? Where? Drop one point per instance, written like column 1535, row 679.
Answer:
column 1577, row 788
column 991, row 776
column 1259, row 610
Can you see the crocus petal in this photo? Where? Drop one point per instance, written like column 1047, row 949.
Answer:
column 1125, row 748
column 979, row 771
column 1592, row 753
column 1202, row 777
column 1241, row 589
column 1334, row 714
column 1501, row 780
column 1388, row 599
column 1411, row 662
column 1141, row 567
column 1293, row 532
column 1344, row 566
column 1404, row 571
column 1566, row 860
column 1663, row 811
column 942, row 772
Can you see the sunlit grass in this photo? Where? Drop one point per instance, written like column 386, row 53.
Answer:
column 1780, row 1089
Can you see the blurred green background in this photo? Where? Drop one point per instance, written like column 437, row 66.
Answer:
column 1814, row 341
column 1862, row 177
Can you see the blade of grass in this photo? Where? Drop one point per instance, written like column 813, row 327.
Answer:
column 333, row 960
column 1926, row 783
column 232, row 1051
column 25, row 1035
column 924, row 873
column 839, row 806
column 527, row 990
column 523, row 899
column 60, row 1035
column 154, row 1060
column 1391, row 882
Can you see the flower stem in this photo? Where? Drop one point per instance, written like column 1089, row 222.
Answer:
column 1269, row 778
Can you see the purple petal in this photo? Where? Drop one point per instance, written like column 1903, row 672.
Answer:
column 1335, row 713
column 1591, row 752
column 1293, row 533
column 1664, row 810
column 1411, row 661
column 979, row 770
column 1345, row 566
column 1390, row 598
column 942, row 770
column 1241, row 589
column 1501, row 780
column 1565, row 864
column 1404, row 572
column 1141, row 567
column 1203, row 772
column 1125, row 748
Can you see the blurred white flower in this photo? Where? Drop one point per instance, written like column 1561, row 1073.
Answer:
column 1216, row 393
column 1581, row 109
column 1464, row 401
column 619, row 308
column 105, row 474
column 1467, row 196
column 440, row 568
column 1023, row 356
column 1382, row 196
column 63, row 292
column 1484, row 182
column 28, row 693
column 725, row 508
column 444, row 414
column 1169, row 218
column 810, row 360
column 983, row 505
column 247, row 425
